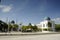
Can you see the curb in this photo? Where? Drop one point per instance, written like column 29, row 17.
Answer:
column 25, row 34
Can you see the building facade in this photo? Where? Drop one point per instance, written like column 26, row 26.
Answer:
column 46, row 25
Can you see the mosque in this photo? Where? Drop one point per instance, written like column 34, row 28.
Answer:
column 46, row 25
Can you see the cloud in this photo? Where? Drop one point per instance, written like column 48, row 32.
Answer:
column 5, row 8
column 57, row 20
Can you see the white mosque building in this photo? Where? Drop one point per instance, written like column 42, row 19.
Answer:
column 46, row 24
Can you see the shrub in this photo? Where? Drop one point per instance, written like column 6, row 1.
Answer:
column 39, row 29
column 45, row 29
column 57, row 27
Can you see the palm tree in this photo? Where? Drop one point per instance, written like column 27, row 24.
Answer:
column 29, row 24
column 20, row 27
column 13, row 22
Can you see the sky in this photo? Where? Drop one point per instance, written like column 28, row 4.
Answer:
column 29, row 11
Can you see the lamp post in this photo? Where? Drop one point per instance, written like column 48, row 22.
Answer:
column 7, row 23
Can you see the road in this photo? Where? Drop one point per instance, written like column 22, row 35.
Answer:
column 32, row 37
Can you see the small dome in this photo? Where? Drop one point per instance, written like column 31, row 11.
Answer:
column 47, row 18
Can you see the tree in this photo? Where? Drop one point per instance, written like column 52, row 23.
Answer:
column 49, row 24
column 57, row 27
column 24, row 28
column 29, row 28
column 15, row 28
column 30, row 25
column 10, row 27
column 34, row 28
column 3, row 26
column 21, row 23
column 13, row 22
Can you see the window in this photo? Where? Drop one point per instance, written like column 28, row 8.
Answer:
column 43, row 25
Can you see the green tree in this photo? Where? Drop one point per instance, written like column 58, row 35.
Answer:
column 49, row 24
column 13, row 22
column 57, row 27
column 34, row 28
column 3, row 26
column 23, row 27
column 30, row 26
column 15, row 27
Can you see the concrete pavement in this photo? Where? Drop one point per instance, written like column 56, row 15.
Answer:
column 27, row 33
column 32, row 37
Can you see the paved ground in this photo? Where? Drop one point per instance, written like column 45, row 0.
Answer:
column 32, row 37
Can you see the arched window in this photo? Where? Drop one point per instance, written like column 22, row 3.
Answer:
column 43, row 25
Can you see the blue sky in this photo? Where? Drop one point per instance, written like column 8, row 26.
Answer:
column 30, row 11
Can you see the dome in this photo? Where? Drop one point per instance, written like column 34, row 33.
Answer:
column 47, row 18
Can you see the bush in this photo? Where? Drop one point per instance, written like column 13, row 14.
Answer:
column 39, row 29
column 35, row 28
column 45, row 29
column 24, row 28
column 15, row 27
column 29, row 28
column 57, row 27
